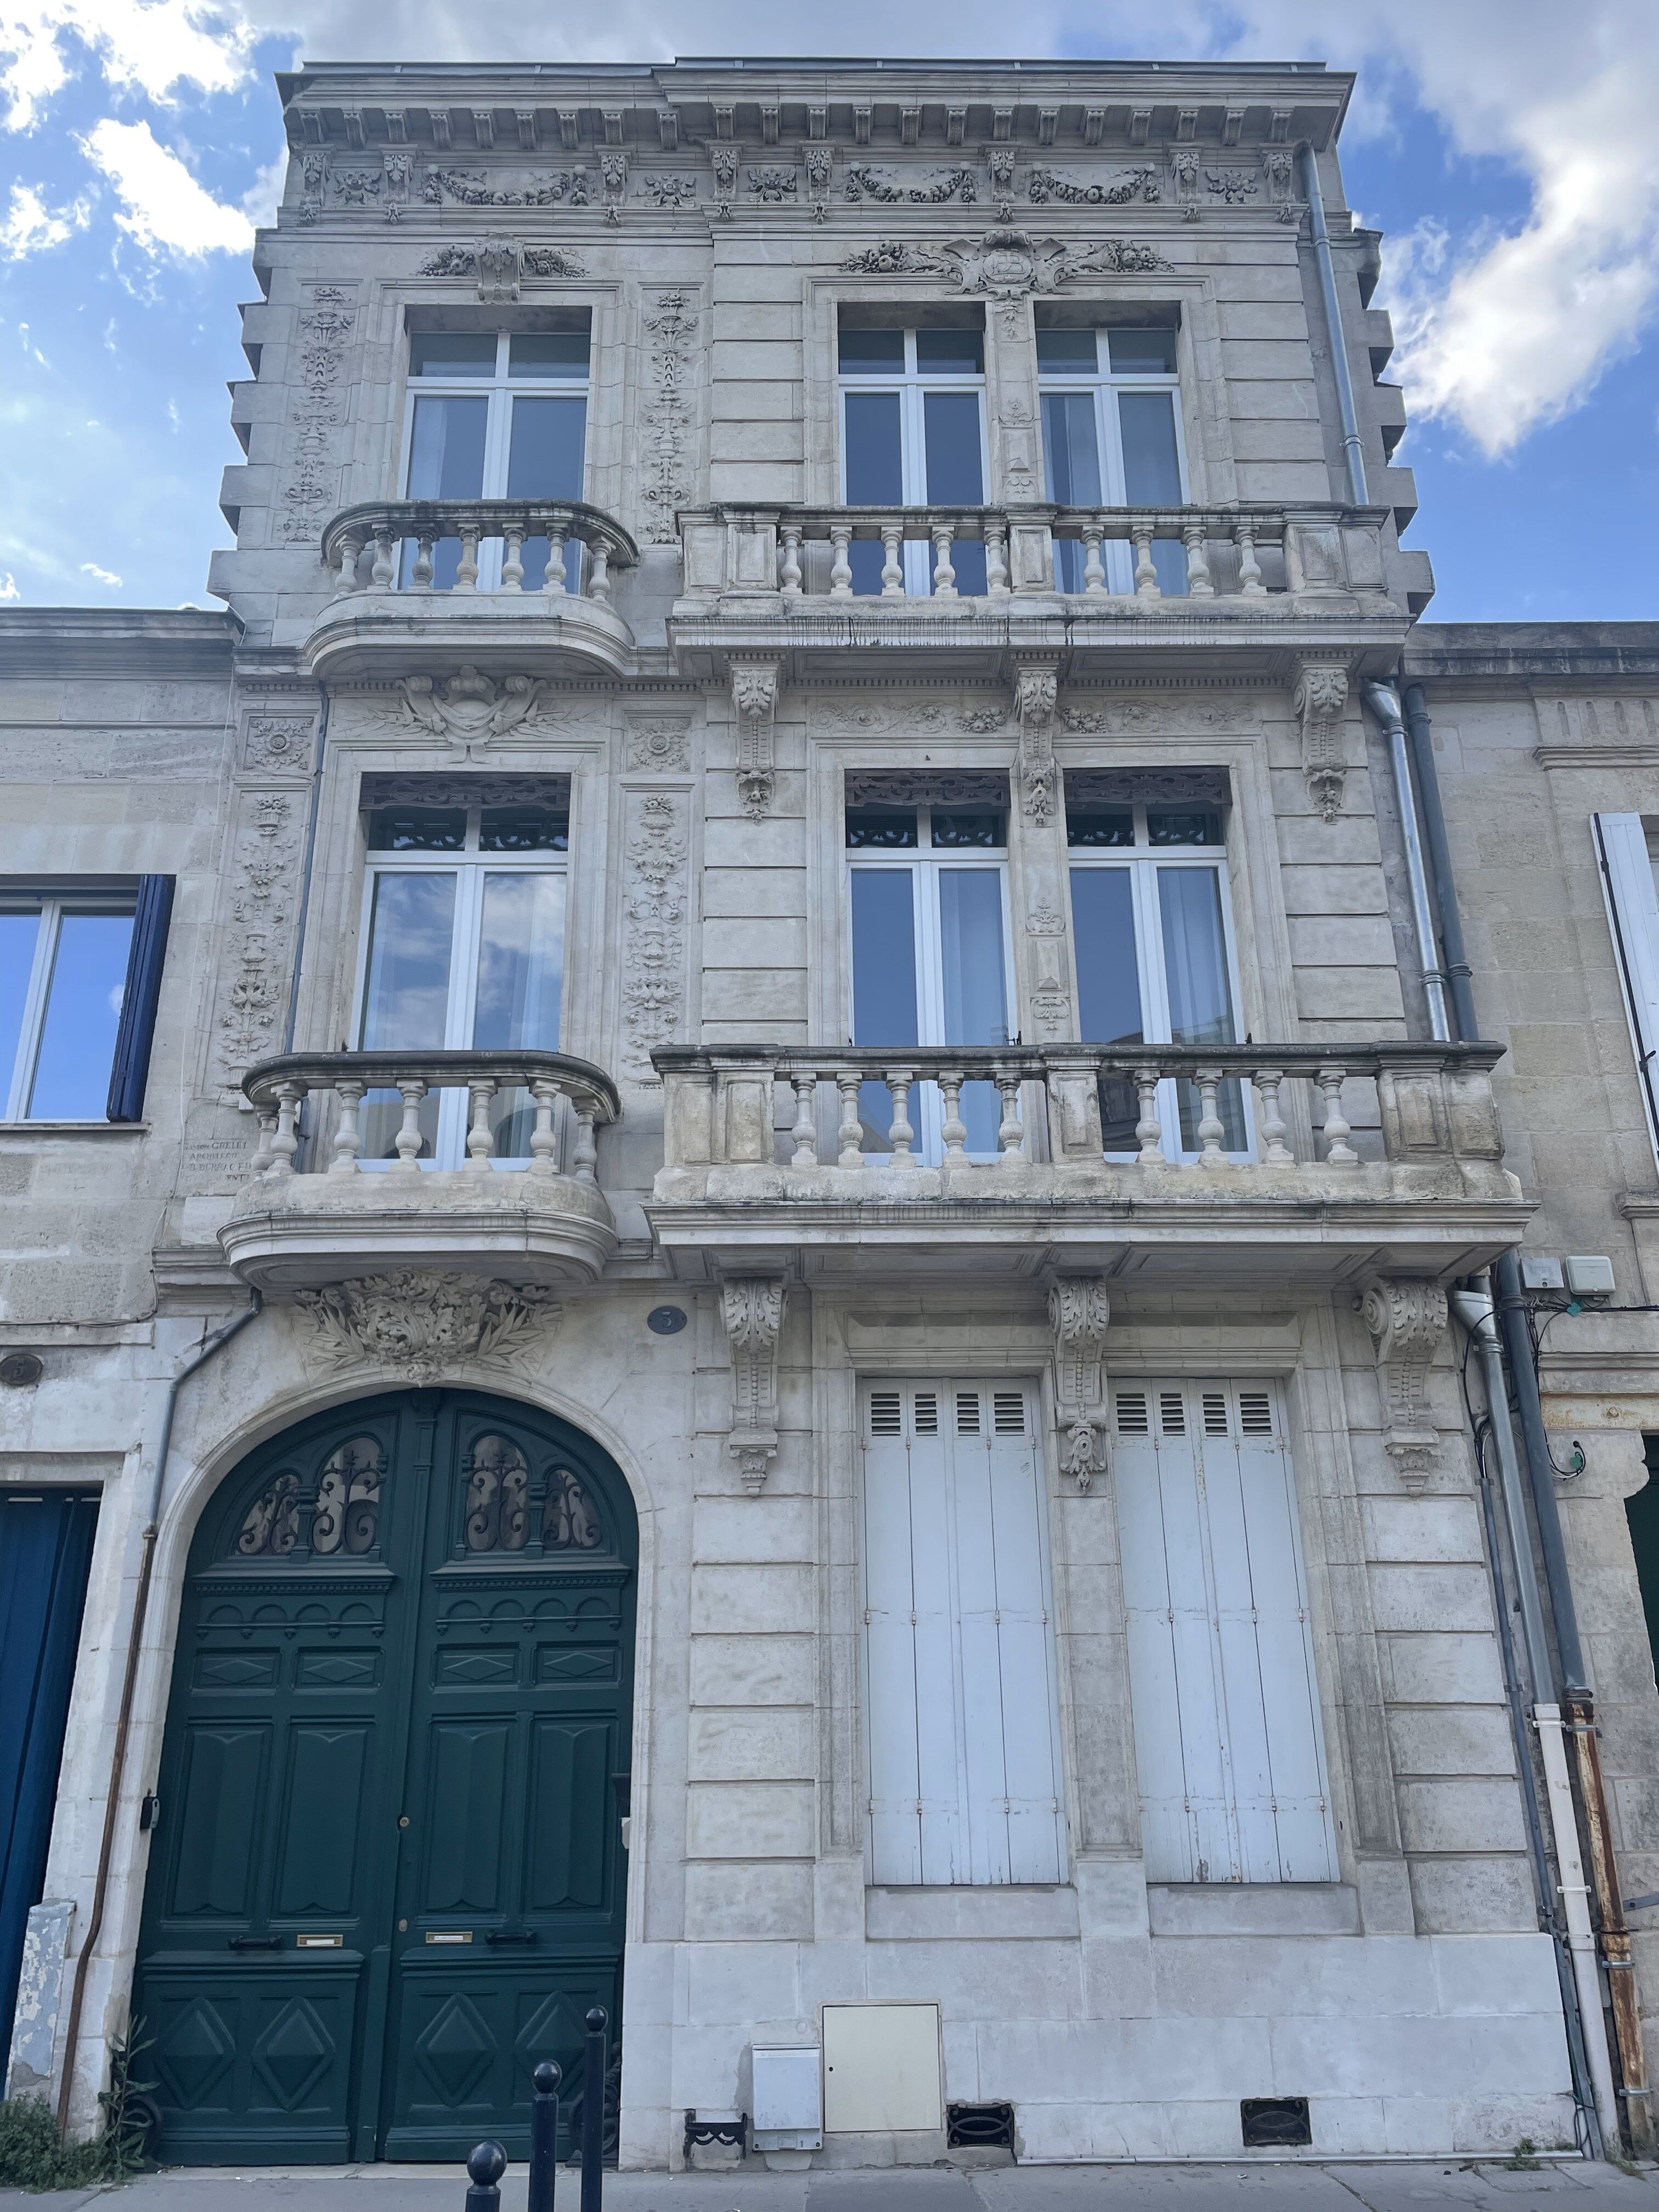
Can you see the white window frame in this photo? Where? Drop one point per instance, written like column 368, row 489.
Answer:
column 469, row 866
column 925, row 864
column 1629, row 887
column 913, row 384
column 1142, row 860
column 1104, row 386
column 50, row 906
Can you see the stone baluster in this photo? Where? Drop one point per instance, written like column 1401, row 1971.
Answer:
column 599, row 582
column 1094, row 569
column 1010, row 1130
column 1211, row 1128
column 944, row 574
column 513, row 556
column 351, row 547
column 263, row 1157
column 466, row 568
column 1250, row 572
column 955, row 1129
column 585, row 1152
column 997, row 586
column 407, row 1142
column 544, row 1138
column 1199, row 586
column 1147, row 584
column 805, row 1135
column 554, row 583
column 1278, row 1154
column 1149, row 1129
column 789, row 580
column 841, row 569
column 892, row 560
column 1338, row 1152
column 285, row 1138
column 348, row 1140
column 900, row 1133
column 382, row 575
column 480, row 1137
column 849, row 1135
column 419, row 575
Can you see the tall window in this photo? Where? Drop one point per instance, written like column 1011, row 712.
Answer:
column 63, row 978
column 913, row 434
column 1111, row 437
column 495, row 414
column 1155, row 959
column 1629, row 856
column 463, row 946
column 931, row 958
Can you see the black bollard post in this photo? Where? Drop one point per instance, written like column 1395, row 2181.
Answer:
column 593, row 2112
column 544, row 2136
column 484, row 2170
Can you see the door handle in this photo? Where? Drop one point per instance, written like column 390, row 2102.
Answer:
column 511, row 1935
column 254, row 1943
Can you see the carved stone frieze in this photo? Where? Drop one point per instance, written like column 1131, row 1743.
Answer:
column 752, row 1308
column 653, row 927
column 755, row 703
column 1005, row 266
column 883, row 786
column 475, row 188
column 468, row 708
column 424, row 1326
column 1079, row 1311
column 311, row 492
column 1320, row 701
column 1036, row 685
column 663, row 743
column 1051, row 996
column 1406, row 1320
column 252, row 978
column 279, row 744
column 1141, row 184
column 380, row 789
column 671, row 323
column 892, row 186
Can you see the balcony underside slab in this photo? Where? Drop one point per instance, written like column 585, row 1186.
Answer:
column 393, row 634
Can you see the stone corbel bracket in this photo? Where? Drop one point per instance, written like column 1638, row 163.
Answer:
column 1320, row 700
column 1406, row 1320
column 1036, row 689
column 751, row 1307
column 1079, row 1313
column 754, row 704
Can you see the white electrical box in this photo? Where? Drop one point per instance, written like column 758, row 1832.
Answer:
column 881, row 2069
column 1541, row 1271
column 786, row 2097
column 1590, row 1274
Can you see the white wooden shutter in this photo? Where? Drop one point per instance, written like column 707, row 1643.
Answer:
column 1633, row 916
column 1228, row 1739
column 962, row 1723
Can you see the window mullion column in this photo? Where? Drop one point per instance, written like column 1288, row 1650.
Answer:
column 34, row 1009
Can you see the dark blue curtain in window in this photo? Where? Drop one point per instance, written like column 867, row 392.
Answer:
column 45, row 1548
column 130, row 1069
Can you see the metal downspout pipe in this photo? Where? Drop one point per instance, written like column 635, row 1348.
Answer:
column 1386, row 707
column 1349, row 415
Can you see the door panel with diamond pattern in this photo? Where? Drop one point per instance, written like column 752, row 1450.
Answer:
column 387, row 1879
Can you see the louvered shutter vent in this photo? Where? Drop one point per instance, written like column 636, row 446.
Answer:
column 1132, row 1413
column 967, row 1413
column 1171, row 1412
column 1009, row 1412
column 1215, row 1413
column 886, row 1414
column 1255, row 1413
column 927, row 1405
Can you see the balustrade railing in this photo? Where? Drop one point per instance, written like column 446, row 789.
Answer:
column 277, row 1090
column 583, row 545
column 1434, row 1102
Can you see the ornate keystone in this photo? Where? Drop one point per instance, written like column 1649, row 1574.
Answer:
column 1036, row 688
column 754, row 701
column 1078, row 1312
column 751, row 1307
column 1321, row 698
column 1407, row 1320
column 423, row 1325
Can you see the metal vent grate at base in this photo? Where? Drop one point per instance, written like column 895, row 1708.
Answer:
column 979, row 2127
column 1274, row 2123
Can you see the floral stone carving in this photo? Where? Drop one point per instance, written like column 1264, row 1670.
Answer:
column 1406, row 1320
column 1079, row 1313
column 1320, row 700
column 755, row 701
column 469, row 709
column 751, row 1307
column 424, row 1326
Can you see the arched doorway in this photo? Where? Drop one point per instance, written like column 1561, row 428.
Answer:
column 388, row 1876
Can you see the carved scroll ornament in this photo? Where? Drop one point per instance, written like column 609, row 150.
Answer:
column 1079, row 1313
column 424, row 1326
column 1406, row 1320
column 1320, row 701
column 754, row 701
column 751, row 1307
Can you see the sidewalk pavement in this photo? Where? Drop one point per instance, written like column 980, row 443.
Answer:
column 1568, row 2186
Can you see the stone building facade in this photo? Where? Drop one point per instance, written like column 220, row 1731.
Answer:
column 816, row 1447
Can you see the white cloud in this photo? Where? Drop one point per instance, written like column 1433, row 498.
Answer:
column 29, row 226
column 144, row 46
column 166, row 210
column 100, row 575
column 8, row 586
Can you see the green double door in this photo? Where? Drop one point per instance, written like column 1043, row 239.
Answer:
column 387, row 1877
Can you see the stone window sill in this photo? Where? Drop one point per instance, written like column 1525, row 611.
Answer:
column 74, row 1128
column 1264, row 1908
column 921, row 1916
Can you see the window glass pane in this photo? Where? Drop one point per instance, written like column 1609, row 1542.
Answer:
column 959, row 351
column 875, row 468
column 884, row 956
column 1102, row 825
column 1183, row 825
column 970, row 956
column 544, row 450
column 520, row 962
column 954, row 826
column 1071, row 448
column 17, row 934
column 864, row 353
column 1141, row 352
column 1170, row 566
column 444, row 353
column 1107, row 981
column 951, row 433
column 523, row 829
column 552, row 353
column 887, row 827
column 406, row 998
column 83, row 1009
column 445, row 461
column 1151, row 468
column 1195, row 957
column 1072, row 350
column 417, row 829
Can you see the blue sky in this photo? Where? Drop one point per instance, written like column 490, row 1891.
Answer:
column 1506, row 146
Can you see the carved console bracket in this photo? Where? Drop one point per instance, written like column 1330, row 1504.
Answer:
column 1036, row 688
column 1320, row 699
column 1406, row 1320
column 751, row 1307
column 755, row 703
column 1078, row 1311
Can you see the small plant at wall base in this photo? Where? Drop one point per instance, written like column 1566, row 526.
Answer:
column 32, row 2156
column 1524, row 2158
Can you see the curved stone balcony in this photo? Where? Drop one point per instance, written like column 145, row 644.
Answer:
column 1264, row 1163
column 315, row 1211
column 391, row 614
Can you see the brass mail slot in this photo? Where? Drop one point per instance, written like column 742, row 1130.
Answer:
column 449, row 1935
column 319, row 1942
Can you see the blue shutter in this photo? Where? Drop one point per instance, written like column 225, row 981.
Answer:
column 130, row 1070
